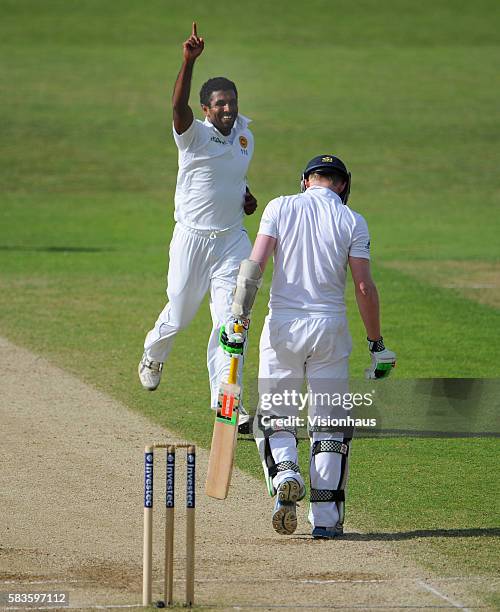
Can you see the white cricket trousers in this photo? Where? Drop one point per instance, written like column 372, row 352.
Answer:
column 199, row 262
column 315, row 348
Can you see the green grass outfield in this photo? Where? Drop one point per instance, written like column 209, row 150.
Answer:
column 407, row 94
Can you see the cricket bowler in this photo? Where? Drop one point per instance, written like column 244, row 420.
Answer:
column 209, row 240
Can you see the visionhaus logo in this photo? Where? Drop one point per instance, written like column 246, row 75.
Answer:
column 314, row 422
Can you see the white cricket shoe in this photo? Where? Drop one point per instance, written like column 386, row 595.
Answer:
column 285, row 508
column 150, row 373
column 243, row 421
column 285, row 517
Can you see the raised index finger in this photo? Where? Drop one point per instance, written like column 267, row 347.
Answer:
column 194, row 32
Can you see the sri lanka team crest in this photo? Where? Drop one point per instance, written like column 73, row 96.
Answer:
column 243, row 142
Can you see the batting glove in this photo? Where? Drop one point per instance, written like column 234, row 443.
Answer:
column 383, row 360
column 231, row 341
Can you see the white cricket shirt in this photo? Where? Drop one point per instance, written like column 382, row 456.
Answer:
column 316, row 233
column 211, row 181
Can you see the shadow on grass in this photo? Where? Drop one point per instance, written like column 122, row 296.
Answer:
column 398, row 536
column 423, row 533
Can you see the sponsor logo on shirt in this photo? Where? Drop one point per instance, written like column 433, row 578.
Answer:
column 367, row 247
column 217, row 139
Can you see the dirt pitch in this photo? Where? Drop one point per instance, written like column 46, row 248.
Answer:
column 72, row 487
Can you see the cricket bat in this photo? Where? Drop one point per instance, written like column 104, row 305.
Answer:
column 220, row 462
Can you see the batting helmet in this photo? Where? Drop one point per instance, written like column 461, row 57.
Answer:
column 328, row 164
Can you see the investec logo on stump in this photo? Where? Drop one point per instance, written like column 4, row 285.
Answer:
column 170, row 484
column 190, row 483
column 148, row 480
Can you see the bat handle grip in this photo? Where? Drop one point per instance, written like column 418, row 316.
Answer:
column 233, row 370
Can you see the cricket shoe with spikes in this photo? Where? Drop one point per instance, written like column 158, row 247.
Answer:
column 285, row 508
column 243, row 421
column 327, row 533
column 150, row 372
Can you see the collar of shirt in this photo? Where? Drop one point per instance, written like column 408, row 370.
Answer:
column 325, row 191
column 240, row 124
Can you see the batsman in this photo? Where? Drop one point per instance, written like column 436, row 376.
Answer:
column 313, row 236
